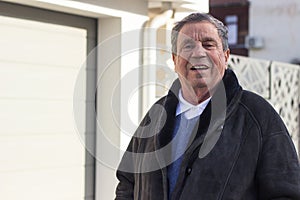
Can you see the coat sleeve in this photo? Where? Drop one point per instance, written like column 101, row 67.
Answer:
column 278, row 172
column 125, row 187
column 128, row 165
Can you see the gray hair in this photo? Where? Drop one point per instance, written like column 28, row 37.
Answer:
column 198, row 17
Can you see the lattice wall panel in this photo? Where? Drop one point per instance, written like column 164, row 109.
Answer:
column 285, row 95
column 253, row 74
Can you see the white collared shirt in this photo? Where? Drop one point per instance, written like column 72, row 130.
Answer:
column 190, row 111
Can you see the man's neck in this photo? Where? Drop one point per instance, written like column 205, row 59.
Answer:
column 195, row 97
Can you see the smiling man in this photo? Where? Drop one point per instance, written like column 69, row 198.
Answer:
column 200, row 60
column 208, row 138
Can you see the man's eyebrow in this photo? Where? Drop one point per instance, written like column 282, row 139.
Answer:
column 208, row 39
column 187, row 40
column 205, row 39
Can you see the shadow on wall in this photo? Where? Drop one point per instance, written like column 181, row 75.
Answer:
column 296, row 61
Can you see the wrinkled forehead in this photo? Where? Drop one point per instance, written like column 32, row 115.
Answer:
column 197, row 31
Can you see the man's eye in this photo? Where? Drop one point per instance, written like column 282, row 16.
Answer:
column 208, row 45
column 188, row 46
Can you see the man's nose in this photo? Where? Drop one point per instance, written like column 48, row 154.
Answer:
column 199, row 51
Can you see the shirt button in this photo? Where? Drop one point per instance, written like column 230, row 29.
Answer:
column 221, row 128
column 188, row 170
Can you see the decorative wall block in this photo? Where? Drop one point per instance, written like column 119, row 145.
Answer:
column 252, row 73
column 285, row 95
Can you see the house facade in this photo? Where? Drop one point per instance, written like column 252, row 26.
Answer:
column 261, row 29
column 77, row 76
column 71, row 75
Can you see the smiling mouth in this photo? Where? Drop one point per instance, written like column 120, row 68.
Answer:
column 199, row 67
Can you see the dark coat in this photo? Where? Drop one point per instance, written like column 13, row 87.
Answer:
column 254, row 157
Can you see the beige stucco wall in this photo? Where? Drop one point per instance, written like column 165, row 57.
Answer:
column 277, row 22
column 114, row 19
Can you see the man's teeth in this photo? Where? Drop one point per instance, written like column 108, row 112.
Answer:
column 196, row 67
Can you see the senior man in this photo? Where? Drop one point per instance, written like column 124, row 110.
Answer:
column 208, row 138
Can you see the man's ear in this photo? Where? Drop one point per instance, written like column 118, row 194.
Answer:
column 174, row 58
column 227, row 53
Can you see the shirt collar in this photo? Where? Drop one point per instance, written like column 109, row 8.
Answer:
column 190, row 111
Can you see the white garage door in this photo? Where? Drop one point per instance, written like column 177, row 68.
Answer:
column 41, row 153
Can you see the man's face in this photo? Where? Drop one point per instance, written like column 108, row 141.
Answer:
column 200, row 61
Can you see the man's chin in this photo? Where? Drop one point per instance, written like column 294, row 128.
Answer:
column 204, row 85
column 196, row 84
column 200, row 82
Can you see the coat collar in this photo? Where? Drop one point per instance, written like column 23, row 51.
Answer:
column 229, row 81
column 221, row 105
